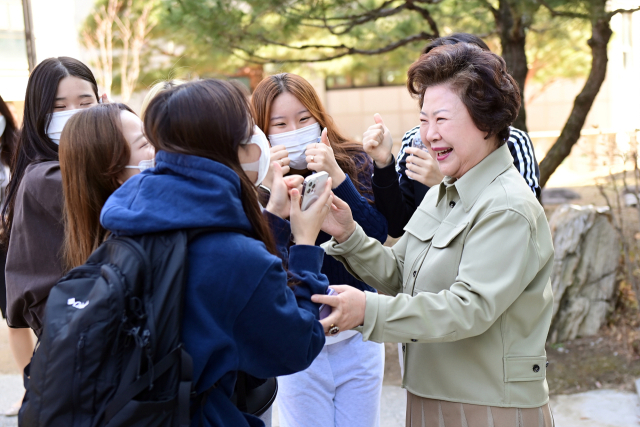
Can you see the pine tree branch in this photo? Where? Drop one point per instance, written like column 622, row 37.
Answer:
column 346, row 50
column 612, row 13
column 353, row 21
column 492, row 9
column 426, row 15
column 556, row 13
column 347, row 23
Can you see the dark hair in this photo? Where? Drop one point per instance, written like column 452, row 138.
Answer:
column 34, row 145
column 9, row 138
column 480, row 79
column 93, row 154
column 179, row 120
column 344, row 150
column 456, row 38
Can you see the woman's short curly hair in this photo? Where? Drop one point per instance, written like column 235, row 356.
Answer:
column 480, row 79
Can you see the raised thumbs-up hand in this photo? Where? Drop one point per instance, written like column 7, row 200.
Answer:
column 320, row 157
column 377, row 142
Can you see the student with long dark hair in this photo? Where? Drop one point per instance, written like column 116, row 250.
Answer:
column 32, row 215
column 239, row 313
column 8, row 140
column 20, row 340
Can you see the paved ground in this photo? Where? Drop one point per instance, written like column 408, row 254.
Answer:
column 597, row 408
column 10, row 391
column 600, row 408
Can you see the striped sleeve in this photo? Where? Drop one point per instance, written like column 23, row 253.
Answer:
column 524, row 158
column 407, row 139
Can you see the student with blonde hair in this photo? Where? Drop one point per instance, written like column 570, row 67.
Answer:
column 161, row 86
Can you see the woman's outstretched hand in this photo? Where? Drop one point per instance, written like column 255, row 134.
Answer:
column 348, row 308
column 305, row 225
column 339, row 222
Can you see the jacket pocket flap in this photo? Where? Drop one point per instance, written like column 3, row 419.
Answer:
column 422, row 225
column 446, row 233
column 525, row 368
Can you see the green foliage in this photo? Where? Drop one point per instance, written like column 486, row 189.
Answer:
column 220, row 35
column 557, row 48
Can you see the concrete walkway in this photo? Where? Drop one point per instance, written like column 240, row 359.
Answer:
column 598, row 408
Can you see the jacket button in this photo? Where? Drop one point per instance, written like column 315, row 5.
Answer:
column 547, row 365
column 402, row 347
column 414, row 340
column 452, row 204
column 536, row 368
column 415, row 273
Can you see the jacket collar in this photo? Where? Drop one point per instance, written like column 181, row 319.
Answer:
column 472, row 183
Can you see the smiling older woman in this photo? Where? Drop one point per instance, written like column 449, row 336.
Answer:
column 467, row 286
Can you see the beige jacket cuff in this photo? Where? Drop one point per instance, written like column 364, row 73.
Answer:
column 344, row 249
column 375, row 313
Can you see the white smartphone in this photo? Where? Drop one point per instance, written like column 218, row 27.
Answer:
column 417, row 142
column 312, row 186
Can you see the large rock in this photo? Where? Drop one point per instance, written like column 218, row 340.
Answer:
column 587, row 252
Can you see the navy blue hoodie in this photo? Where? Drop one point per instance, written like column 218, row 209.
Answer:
column 239, row 314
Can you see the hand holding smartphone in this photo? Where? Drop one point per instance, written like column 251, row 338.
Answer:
column 312, row 188
column 417, row 142
column 325, row 309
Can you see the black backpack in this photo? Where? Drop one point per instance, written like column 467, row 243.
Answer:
column 110, row 351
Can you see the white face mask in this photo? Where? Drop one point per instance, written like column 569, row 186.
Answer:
column 3, row 124
column 57, row 122
column 143, row 165
column 296, row 142
column 262, row 164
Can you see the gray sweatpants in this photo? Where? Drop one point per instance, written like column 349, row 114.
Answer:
column 341, row 388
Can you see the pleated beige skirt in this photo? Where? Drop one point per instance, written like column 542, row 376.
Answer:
column 422, row 412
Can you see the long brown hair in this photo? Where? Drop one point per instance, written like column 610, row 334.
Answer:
column 93, row 153
column 344, row 149
column 210, row 119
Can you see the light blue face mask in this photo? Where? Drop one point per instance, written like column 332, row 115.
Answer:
column 143, row 165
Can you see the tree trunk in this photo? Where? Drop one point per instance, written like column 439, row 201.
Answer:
column 600, row 36
column 512, row 26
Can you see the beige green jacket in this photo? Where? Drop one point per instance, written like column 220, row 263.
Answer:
column 468, row 289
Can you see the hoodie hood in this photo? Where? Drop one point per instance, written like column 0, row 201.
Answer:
column 180, row 192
